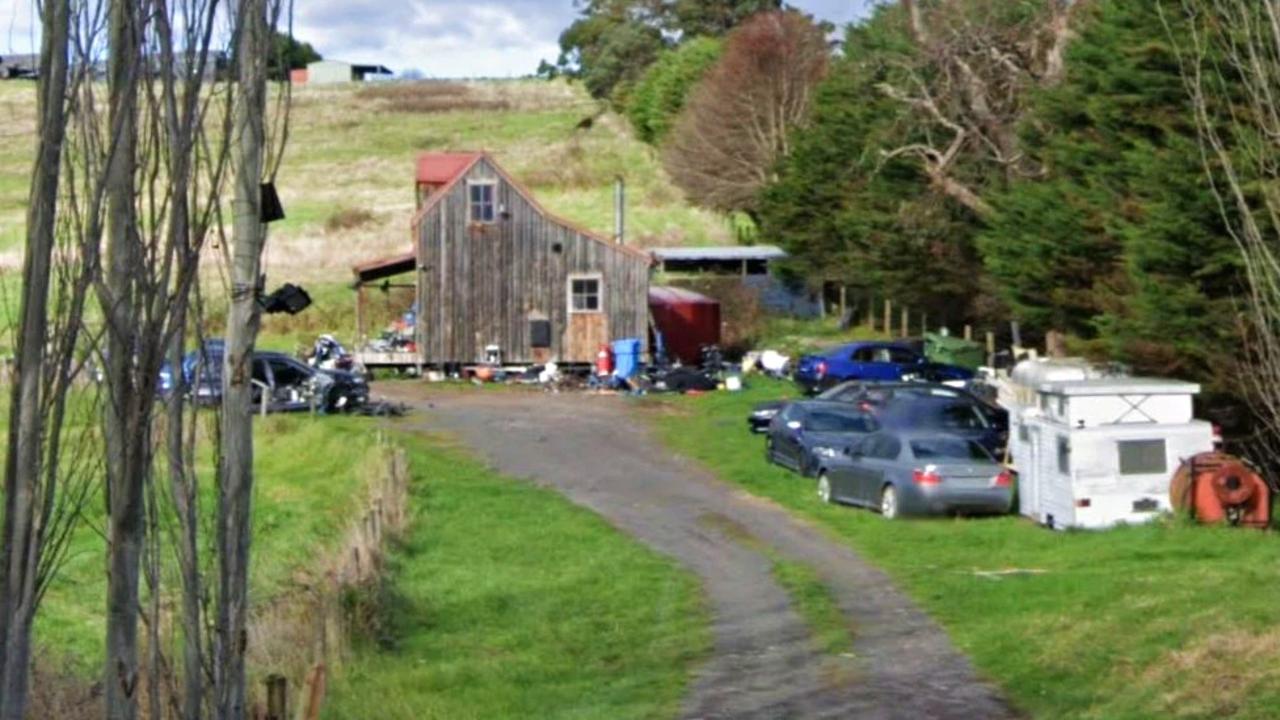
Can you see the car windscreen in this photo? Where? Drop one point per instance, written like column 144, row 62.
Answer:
column 949, row 449
column 836, row 421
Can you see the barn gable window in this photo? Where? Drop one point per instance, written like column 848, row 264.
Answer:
column 584, row 294
column 480, row 201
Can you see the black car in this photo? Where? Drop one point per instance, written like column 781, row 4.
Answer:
column 850, row 391
column 806, row 431
column 284, row 383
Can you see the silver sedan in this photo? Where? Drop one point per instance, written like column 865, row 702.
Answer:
column 917, row 474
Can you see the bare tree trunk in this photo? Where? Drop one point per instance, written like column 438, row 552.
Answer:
column 126, row 461
column 24, row 531
column 236, row 489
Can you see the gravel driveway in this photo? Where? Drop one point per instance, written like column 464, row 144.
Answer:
column 595, row 451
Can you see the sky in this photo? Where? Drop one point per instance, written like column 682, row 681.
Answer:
column 440, row 38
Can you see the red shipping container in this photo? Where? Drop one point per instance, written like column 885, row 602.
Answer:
column 687, row 321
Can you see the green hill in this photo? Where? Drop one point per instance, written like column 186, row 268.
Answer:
column 347, row 176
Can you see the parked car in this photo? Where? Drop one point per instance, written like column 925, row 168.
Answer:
column 874, row 395
column 912, row 473
column 943, row 410
column 283, row 382
column 807, row 430
column 870, row 361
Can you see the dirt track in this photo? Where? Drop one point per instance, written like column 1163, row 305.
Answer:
column 763, row 664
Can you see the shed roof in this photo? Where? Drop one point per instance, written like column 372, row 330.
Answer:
column 727, row 252
column 442, row 168
column 1121, row 386
column 385, row 267
column 667, row 295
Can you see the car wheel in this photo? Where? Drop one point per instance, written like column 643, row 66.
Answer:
column 889, row 502
column 824, row 489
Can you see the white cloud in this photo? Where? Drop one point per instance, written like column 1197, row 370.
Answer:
column 442, row 38
column 452, row 38
column 17, row 33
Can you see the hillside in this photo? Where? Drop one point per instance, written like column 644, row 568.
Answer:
column 347, row 176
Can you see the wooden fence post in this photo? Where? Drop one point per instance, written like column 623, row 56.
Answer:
column 906, row 322
column 888, row 317
column 968, row 332
column 991, row 348
column 315, row 692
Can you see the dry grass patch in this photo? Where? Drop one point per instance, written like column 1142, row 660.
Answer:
column 349, row 219
column 1212, row 677
column 431, row 97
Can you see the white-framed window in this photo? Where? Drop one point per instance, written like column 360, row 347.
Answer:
column 482, row 201
column 1064, row 455
column 586, row 294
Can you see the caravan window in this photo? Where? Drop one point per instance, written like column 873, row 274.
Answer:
column 1142, row 457
column 1064, row 455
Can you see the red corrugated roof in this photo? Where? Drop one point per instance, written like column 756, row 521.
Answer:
column 441, row 168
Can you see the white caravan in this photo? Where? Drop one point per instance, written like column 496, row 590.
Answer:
column 1092, row 451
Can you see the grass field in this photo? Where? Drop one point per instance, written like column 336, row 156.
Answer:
column 310, row 478
column 507, row 601
column 347, row 178
column 1161, row 621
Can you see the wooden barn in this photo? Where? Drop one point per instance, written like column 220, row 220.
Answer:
column 492, row 268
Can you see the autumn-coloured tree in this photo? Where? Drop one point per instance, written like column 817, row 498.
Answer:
column 737, row 125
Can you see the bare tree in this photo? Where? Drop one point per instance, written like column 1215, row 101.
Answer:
column 1232, row 73
column 739, row 121
column 36, row 514
column 965, row 88
column 236, row 462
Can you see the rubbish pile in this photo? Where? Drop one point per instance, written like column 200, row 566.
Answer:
column 398, row 336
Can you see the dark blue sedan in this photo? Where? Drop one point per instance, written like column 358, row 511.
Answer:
column 871, row 360
column 807, row 431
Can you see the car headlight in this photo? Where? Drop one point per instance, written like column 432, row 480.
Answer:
column 824, row 451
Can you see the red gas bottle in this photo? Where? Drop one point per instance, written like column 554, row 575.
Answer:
column 1220, row 488
column 604, row 360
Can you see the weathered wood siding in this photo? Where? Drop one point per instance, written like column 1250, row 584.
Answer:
column 482, row 284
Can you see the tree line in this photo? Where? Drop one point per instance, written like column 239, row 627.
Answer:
column 1066, row 164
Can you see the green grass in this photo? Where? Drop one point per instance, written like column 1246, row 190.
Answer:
column 797, row 336
column 310, row 478
column 1163, row 620
column 812, row 599
column 507, row 601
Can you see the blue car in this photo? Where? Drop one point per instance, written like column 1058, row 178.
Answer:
column 871, row 360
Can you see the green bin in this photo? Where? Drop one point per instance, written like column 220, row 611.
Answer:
column 954, row 351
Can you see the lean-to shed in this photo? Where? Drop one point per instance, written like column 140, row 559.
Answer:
column 494, row 268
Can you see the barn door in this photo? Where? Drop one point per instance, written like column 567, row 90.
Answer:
column 588, row 323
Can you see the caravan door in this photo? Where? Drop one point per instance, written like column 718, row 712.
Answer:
column 1030, row 477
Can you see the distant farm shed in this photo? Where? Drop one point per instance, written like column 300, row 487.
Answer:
column 329, row 72
column 493, row 268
